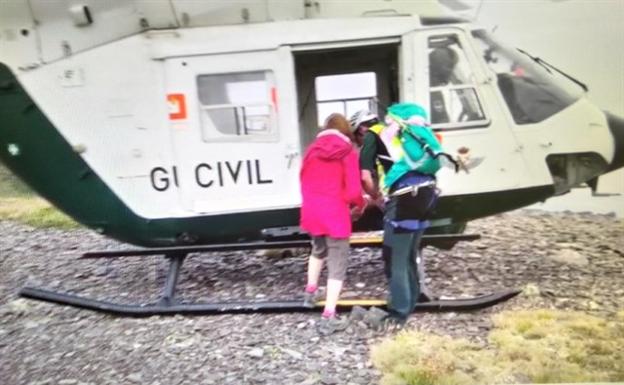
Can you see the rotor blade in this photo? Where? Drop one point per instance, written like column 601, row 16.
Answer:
column 455, row 5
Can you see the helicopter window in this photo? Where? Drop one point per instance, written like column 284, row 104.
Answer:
column 346, row 94
column 529, row 90
column 454, row 101
column 237, row 104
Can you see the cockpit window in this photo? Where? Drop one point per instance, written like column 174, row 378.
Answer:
column 529, row 90
column 454, row 101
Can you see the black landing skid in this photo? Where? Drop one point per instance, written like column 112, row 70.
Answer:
column 168, row 304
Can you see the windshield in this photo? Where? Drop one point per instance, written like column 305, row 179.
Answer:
column 530, row 90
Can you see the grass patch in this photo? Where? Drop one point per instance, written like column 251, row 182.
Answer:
column 19, row 203
column 543, row 346
column 35, row 212
column 11, row 186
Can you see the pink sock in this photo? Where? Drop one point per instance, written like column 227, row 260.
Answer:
column 329, row 313
column 311, row 288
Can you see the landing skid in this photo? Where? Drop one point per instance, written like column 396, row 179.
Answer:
column 168, row 304
column 289, row 306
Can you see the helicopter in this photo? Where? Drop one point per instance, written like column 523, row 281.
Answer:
column 180, row 126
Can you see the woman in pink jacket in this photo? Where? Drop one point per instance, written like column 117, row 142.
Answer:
column 330, row 186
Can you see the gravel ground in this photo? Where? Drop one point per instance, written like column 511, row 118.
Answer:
column 564, row 260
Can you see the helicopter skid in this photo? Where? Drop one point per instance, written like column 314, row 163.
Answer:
column 168, row 304
column 286, row 306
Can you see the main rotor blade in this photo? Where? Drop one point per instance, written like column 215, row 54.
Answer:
column 455, row 5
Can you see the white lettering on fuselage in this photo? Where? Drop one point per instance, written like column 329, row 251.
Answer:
column 214, row 174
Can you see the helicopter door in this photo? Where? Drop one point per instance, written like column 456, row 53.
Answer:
column 234, row 134
column 441, row 71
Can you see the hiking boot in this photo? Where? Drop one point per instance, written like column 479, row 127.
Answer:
column 358, row 313
column 375, row 317
column 393, row 324
column 381, row 320
column 309, row 300
column 332, row 325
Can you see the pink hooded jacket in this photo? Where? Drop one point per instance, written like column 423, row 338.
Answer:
column 330, row 185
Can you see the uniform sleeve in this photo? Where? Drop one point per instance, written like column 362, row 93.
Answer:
column 353, row 186
column 368, row 153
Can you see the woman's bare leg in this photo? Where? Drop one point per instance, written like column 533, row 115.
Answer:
column 315, row 265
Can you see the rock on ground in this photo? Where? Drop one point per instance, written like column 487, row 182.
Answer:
column 42, row 343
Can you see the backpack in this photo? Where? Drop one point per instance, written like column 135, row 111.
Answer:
column 422, row 152
column 421, row 149
column 412, row 178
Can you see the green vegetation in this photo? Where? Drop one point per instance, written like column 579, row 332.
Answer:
column 539, row 346
column 19, row 203
column 11, row 186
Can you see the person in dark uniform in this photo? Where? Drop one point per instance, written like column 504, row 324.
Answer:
column 374, row 157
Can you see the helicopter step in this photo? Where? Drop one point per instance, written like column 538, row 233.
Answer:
column 168, row 304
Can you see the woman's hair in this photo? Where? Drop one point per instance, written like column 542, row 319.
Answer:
column 338, row 122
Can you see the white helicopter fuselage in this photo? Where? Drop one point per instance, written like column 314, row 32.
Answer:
column 152, row 113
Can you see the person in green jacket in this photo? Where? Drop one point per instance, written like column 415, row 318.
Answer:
column 407, row 140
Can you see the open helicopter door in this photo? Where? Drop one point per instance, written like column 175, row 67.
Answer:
column 441, row 70
column 234, row 131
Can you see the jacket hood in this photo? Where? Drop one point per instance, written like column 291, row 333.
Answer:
column 330, row 145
